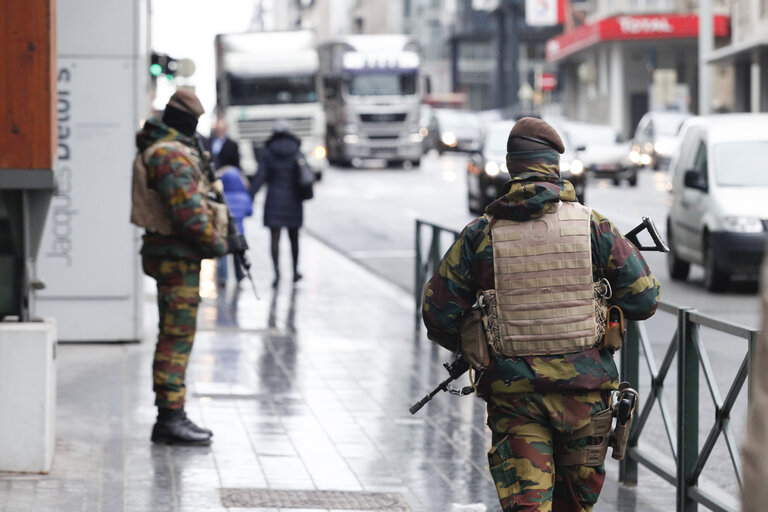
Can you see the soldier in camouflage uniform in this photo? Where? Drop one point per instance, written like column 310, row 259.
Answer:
column 535, row 403
column 169, row 200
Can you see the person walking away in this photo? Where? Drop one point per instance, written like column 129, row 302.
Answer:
column 535, row 257
column 240, row 205
column 182, row 227
column 283, row 206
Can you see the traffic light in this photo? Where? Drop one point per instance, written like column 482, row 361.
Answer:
column 163, row 64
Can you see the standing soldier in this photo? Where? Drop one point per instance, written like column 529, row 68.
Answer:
column 534, row 259
column 183, row 226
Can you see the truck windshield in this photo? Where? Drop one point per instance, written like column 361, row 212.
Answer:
column 271, row 90
column 737, row 163
column 383, row 84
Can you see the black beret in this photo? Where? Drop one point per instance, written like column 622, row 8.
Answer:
column 532, row 129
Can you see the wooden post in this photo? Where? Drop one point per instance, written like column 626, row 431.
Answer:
column 28, row 85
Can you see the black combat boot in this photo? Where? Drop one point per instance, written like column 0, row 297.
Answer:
column 173, row 427
column 196, row 427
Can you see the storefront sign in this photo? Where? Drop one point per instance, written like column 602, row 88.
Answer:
column 626, row 28
column 542, row 13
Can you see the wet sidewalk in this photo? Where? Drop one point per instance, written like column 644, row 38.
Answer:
column 307, row 391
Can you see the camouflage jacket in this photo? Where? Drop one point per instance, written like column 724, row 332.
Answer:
column 468, row 267
column 175, row 178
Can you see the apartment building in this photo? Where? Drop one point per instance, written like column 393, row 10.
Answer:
column 748, row 54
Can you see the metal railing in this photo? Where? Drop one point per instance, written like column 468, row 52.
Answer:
column 427, row 261
column 687, row 458
column 692, row 357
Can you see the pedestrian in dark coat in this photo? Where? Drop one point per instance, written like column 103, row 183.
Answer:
column 283, row 205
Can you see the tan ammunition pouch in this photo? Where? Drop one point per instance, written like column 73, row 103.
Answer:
column 472, row 343
column 614, row 334
column 149, row 211
column 593, row 454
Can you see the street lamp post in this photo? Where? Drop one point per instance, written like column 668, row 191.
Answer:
column 706, row 44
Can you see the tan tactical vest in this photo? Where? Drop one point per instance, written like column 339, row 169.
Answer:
column 544, row 289
column 147, row 207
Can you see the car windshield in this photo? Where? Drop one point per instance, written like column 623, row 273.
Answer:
column 668, row 125
column 584, row 134
column 496, row 138
column 737, row 163
column 268, row 91
column 383, row 84
column 458, row 119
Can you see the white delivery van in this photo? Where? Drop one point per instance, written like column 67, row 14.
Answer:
column 719, row 206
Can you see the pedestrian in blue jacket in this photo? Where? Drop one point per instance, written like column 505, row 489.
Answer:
column 240, row 205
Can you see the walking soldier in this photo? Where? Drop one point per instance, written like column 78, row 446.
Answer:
column 543, row 269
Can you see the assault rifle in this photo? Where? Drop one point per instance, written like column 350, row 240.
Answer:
column 457, row 368
column 236, row 242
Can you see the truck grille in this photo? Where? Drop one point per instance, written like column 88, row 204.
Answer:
column 388, row 117
column 259, row 130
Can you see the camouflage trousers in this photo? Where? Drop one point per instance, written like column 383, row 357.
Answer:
column 524, row 457
column 178, row 295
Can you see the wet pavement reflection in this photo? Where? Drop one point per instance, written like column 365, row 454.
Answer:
column 307, row 391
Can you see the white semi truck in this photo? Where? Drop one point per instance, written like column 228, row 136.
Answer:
column 265, row 76
column 372, row 98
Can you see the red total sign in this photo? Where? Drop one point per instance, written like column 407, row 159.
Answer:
column 548, row 82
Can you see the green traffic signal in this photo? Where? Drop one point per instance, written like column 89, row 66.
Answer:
column 155, row 69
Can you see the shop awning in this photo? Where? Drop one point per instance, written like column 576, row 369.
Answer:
column 736, row 50
column 631, row 28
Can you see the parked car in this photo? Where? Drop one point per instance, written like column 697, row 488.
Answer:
column 487, row 169
column 453, row 130
column 655, row 139
column 602, row 150
column 718, row 214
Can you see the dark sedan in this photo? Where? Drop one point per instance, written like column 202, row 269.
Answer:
column 487, row 169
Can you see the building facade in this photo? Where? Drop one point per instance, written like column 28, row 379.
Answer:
column 748, row 54
column 620, row 59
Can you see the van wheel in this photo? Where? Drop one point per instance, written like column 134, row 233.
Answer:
column 678, row 269
column 715, row 280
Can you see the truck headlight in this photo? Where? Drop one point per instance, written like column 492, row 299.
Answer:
column 577, row 167
column 634, row 157
column 743, row 224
